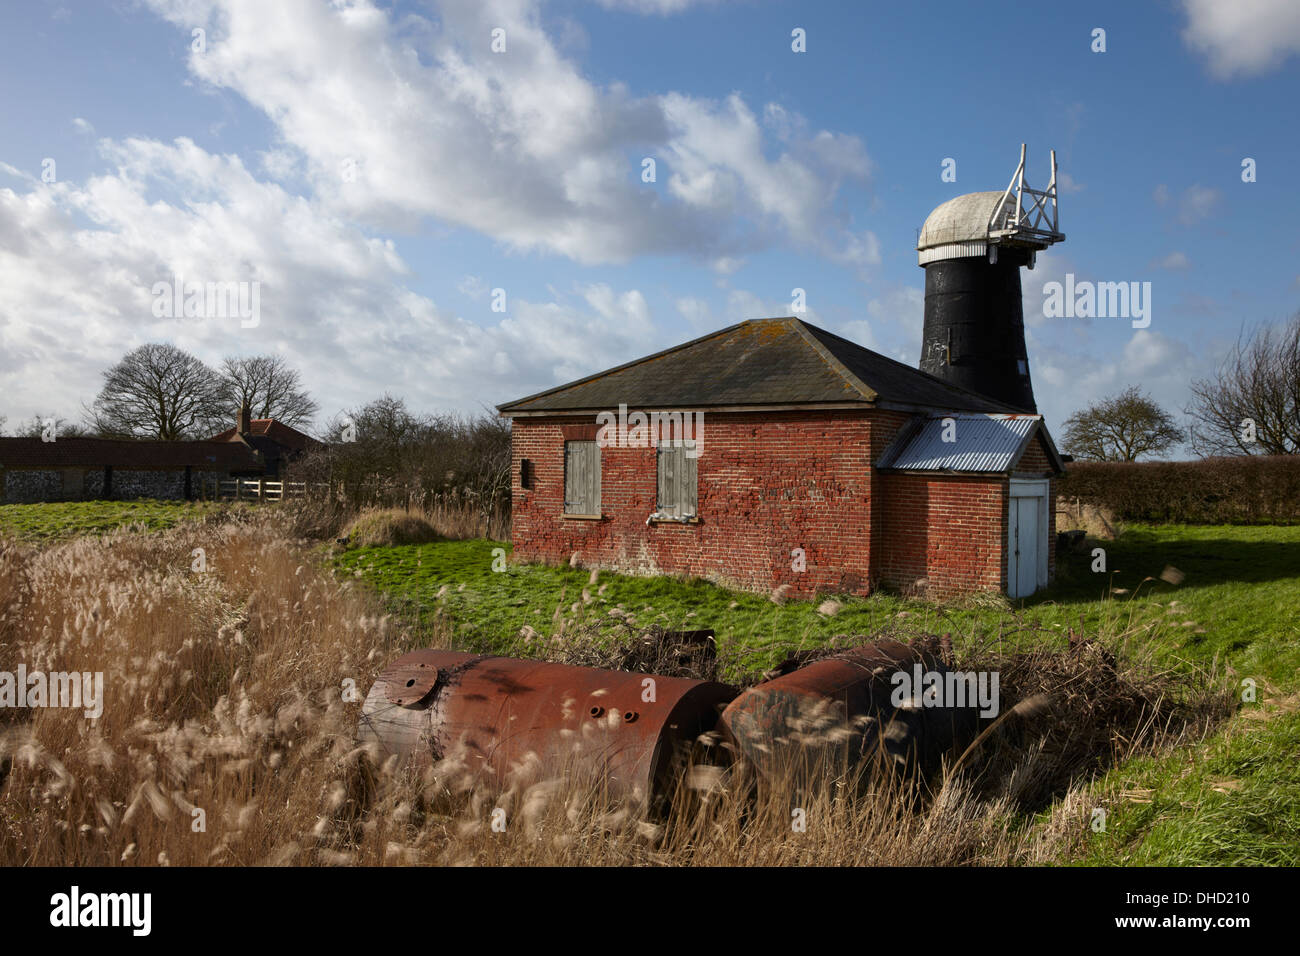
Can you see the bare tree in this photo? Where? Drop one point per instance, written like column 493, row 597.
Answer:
column 1121, row 428
column 269, row 387
column 382, row 448
column 40, row 425
column 1251, row 406
column 159, row 391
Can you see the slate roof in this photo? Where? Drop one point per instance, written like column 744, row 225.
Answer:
column 101, row 452
column 983, row 444
column 760, row 362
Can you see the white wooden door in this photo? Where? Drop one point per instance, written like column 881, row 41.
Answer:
column 1026, row 538
column 1022, row 574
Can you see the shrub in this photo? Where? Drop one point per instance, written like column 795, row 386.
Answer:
column 1244, row 490
column 390, row 526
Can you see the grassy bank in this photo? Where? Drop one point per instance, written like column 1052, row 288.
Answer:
column 225, row 692
column 1230, row 799
column 73, row 519
column 226, row 737
column 1234, row 605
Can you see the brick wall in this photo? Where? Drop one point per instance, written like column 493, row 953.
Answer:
column 768, row 483
column 942, row 535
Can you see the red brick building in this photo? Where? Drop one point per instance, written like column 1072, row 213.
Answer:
column 275, row 443
column 790, row 456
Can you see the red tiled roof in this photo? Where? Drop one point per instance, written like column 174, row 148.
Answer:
column 99, row 452
column 280, row 433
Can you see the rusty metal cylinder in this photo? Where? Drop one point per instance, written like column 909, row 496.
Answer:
column 842, row 709
column 497, row 714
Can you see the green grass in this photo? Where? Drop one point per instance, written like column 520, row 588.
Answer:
column 1229, row 800
column 1232, row 800
column 71, row 519
column 488, row 609
column 1234, row 611
column 1235, row 604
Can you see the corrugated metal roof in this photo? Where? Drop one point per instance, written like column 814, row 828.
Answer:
column 979, row 443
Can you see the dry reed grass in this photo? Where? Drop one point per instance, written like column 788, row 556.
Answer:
column 1099, row 522
column 327, row 519
column 385, row 527
column 225, row 693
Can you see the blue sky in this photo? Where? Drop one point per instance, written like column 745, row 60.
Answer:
column 473, row 170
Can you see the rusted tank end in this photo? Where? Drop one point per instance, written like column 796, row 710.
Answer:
column 498, row 713
column 839, row 711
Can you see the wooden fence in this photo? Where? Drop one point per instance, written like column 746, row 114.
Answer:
column 253, row 489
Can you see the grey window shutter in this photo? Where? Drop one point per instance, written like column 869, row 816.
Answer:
column 668, row 499
column 690, row 482
column 581, row 478
column 678, row 492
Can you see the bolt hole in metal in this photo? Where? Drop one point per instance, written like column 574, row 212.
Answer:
column 596, row 711
column 411, row 682
column 629, row 716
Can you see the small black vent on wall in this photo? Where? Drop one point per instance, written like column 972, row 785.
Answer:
column 525, row 473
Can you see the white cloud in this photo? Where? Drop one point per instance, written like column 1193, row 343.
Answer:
column 1197, row 203
column 1069, row 379
column 472, row 286
column 696, row 312
column 1066, row 183
column 1175, row 261
column 660, row 7
column 428, row 122
column 1049, row 266
column 859, row 250
column 743, row 304
column 859, row 331
column 899, row 316
column 1242, row 37
column 78, row 262
column 280, row 164
column 1149, row 351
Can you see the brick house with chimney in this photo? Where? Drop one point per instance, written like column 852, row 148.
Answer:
column 278, row 444
column 785, row 456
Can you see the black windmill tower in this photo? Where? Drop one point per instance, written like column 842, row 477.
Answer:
column 972, row 249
